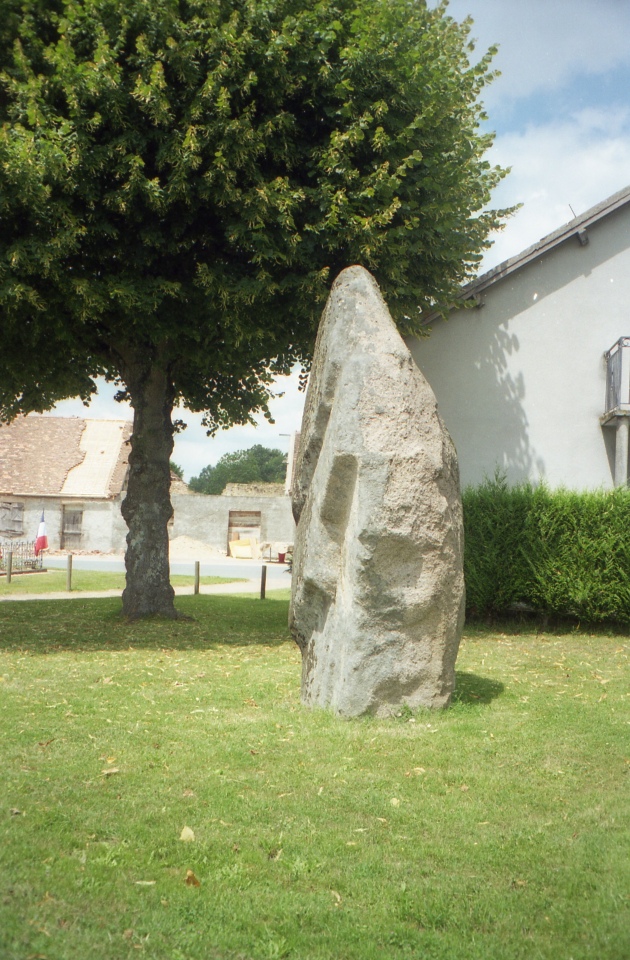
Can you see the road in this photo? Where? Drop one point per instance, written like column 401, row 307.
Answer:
column 248, row 572
column 218, row 567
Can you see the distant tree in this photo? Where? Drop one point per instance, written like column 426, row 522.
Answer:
column 176, row 469
column 181, row 181
column 203, row 482
column 257, row 464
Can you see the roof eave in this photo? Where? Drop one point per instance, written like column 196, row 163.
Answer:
column 571, row 229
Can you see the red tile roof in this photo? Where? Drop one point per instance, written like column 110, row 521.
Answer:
column 37, row 453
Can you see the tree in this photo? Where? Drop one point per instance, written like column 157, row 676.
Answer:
column 180, row 182
column 176, row 469
column 258, row 464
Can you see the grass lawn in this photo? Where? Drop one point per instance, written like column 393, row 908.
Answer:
column 497, row 829
column 53, row 581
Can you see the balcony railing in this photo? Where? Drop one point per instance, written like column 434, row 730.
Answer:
column 617, row 366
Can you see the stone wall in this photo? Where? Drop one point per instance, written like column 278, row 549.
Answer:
column 198, row 516
column 253, row 490
column 100, row 528
column 206, row 517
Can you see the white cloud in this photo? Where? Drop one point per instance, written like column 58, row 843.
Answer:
column 102, row 406
column 545, row 44
column 574, row 163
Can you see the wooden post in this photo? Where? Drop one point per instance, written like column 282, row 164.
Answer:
column 197, row 566
column 263, row 581
column 69, row 574
column 9, row 565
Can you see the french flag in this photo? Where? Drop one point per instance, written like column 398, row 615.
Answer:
column 42, row 539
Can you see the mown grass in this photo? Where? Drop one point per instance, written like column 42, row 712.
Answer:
column 53, row 581
column 496, row 829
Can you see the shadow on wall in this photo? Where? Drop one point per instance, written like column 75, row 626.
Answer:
column 502, row 395
column 479, row 398
column 485, row 392
column 569, row 266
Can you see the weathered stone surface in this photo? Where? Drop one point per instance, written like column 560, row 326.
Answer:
column 378, row 587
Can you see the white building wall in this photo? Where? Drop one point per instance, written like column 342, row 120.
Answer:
column 201, row 517
column 32, row 516
column 520, row 381
column 97, row 526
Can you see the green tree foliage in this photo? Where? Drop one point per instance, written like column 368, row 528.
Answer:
column 176, row 469
column 181, row 181
column 257, row 464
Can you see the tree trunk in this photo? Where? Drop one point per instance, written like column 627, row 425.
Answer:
column 147, row 507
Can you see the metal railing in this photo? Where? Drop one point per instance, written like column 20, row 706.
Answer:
column 22, row 555
column 615, row 395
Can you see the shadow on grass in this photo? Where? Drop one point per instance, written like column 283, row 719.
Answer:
column 537, row 624
column 50, row 626
column 471, row 689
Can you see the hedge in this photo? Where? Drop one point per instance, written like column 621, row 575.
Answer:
column 559, row 552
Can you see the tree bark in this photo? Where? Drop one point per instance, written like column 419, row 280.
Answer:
column 147, row 507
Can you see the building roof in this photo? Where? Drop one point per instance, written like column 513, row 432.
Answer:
column 65, row 457
column 576, row 228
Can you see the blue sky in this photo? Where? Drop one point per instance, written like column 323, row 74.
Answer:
column 561, row 113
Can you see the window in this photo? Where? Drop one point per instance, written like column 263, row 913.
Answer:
column 11, row 520
column 71, row 524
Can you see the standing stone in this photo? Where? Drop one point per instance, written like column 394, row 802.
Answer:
column 378, row 587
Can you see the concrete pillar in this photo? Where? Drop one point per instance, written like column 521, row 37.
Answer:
column 624, row 393
column 621, row 452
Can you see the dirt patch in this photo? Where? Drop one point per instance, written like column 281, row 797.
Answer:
column 187, row 548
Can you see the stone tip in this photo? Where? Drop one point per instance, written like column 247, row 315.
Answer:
column 353, row 273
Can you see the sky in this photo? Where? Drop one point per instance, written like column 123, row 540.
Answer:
column 561, row 114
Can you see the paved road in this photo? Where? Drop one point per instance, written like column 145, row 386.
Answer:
column 219, row 567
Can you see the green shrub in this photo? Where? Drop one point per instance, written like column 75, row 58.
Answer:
column 560, row 552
